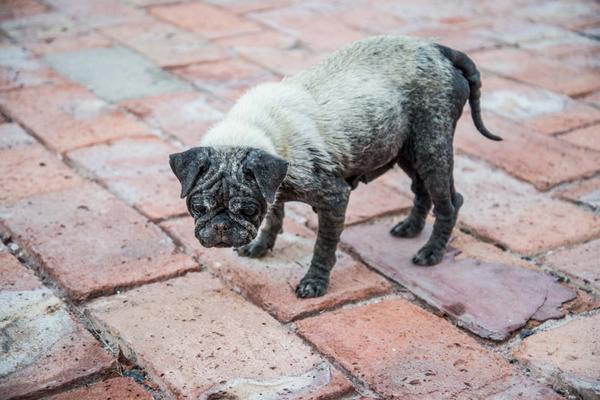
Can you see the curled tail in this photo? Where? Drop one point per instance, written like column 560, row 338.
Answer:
column 463, row 63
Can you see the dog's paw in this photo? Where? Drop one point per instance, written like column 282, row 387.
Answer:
column 311, row 287
column 254, row 249
column 428, row 256
column 407, row 229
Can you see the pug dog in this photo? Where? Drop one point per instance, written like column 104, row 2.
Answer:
column 314, row 136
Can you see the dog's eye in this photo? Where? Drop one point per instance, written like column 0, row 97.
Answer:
column 198, row 209
column 249, row 211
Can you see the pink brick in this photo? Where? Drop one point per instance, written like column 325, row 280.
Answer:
column 47, row 27
column 579, row 262
column 533, row 107
column 516, row 216
column 514, row 31
column 18, row 68
column 593, row 99
column 10, row 9
column 184, row 115
column 209, row 21
column 38, row 172
column 568, row 357
column 12, row 136
column 47, row 348
column 67, row 116
column 585, row 192
column 401, row 351
column 100, row 13
column 368, row 201
column 228, row 79
column 570, row 48
column 165, row 44
column 542, row 160
column 214, row 341
column 246, row 6
column 85, row 40
column 113, row 389
column 137, row 171
column 586, row 137
column 90, row 242
column 270, row 282
column 549, row 74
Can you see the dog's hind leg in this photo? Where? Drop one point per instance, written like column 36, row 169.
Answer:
column 412, row 225
column 267, row 235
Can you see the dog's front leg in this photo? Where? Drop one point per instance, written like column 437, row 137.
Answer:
column 331, row 212
column 267, row 235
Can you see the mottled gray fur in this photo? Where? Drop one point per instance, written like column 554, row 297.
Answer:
column 316, row 135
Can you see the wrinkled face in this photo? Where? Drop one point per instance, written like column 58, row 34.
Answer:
column 227, row 191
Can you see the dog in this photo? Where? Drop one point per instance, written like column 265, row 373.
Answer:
column 314, row 136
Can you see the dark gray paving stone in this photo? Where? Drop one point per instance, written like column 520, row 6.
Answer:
column 490, row 299
column 115, row 73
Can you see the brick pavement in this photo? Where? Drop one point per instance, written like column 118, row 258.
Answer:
column 105, row 293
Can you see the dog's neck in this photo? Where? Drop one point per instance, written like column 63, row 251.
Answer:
column 239, row 134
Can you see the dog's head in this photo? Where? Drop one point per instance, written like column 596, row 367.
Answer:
column 227, row 191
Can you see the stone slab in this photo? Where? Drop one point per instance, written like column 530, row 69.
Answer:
column 581, row 261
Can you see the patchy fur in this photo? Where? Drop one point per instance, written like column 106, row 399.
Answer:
column 376, row 103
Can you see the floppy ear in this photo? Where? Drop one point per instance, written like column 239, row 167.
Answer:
column 268, row 170
column 188, row 166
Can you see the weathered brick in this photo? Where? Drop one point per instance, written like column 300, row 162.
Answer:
column 114, row 73
column 246, row 6
column 586, row 137
column 570, row 48
column 10, row 9
column 67, row 116
column 214, row 341
column 184, row 115
column 515, row 31
column 514, row 215
column 165, row 44
column 270, row 282
column 100, row 13
column 110, row 389
column 366, row 202
column 580, row 262
column 567, row 356
column 593, row 99
column 404, row 352
column 45, row 348
column 12, row 136
column 490, row 299
column 547, row 73
column 533, row 107
column 90, row 242
column 18, row 68
column 42, row 27
column 586, row 192
column 137, row 171
column 85, row 40
column 555, row 161
column 209, row 21
column 228, row 79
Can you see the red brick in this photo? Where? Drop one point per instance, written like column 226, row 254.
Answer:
column 214, row 340
column 184, row 115
column 166, row 45
column 47, row 348
column 542, row 160
column 86, row 240
column 487, row 297
column 110, row 389
column 270, row 282
column 570, row 48
column 320, row 31
column 246, row 6
column 18, row 68
column 100, row 13
column 265, row 39
column 580, row 262
column 515, row 31
column 368, row 19
column 283, row 62
column 403, row 352
column 366, row 202
column 512, row 214
column 427, row 10
column 228, row 79
column 211, row 22
column 560, row 12
column 85, row 40
column 593, row 99
column 585, row 192
column 35, row 173
column 533, row 107
column 567, row 356
column 550, row 74
column 10, row 9
column 137, row 171
column 67, row 116
column 586, row 137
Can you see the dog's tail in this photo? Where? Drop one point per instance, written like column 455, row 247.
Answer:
column 463, row 63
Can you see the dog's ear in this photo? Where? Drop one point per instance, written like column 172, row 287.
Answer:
column 268, row 170
column 188, row 166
